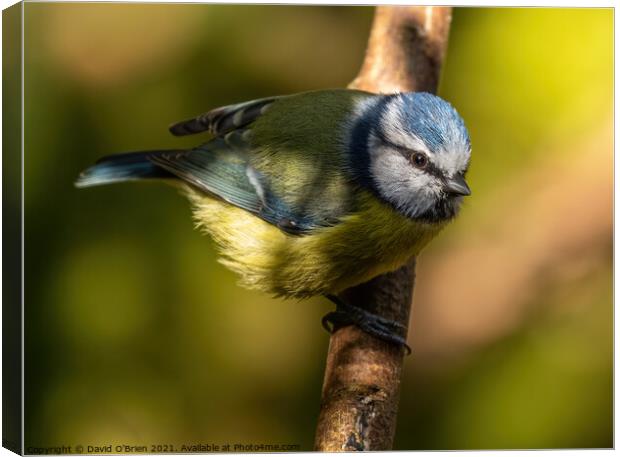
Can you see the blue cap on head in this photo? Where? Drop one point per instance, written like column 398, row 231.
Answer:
column 430, row 118
column 434, row 120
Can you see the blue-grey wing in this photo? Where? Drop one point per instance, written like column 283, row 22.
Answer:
column 221, row 168
column 225, row 119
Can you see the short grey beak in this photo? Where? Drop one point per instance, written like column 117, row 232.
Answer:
column 457, row 186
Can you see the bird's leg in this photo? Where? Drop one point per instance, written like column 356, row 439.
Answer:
column 346, row 314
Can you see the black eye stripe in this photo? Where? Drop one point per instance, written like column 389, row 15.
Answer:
column 430, row 167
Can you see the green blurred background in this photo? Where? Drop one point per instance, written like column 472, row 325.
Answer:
column 136, row 335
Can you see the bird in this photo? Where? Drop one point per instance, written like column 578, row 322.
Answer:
column 312, row 193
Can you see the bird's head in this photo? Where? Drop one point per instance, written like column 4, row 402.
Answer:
column 417, row 151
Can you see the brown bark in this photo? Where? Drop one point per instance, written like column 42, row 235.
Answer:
column 406, row 49
column 360, row 395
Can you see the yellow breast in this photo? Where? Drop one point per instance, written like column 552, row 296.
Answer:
column 363, row 245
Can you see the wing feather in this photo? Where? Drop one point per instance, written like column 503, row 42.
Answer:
column 216, row 169
column 219, row 169
column 224, row 119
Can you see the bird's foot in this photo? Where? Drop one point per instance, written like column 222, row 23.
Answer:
column 373, row 324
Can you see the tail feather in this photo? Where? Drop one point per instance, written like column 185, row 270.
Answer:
column 123, row 167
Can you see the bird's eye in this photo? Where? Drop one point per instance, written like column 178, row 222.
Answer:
column 419, row 160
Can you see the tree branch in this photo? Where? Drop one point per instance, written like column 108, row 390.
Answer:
column 360, row 395
column 406, row 49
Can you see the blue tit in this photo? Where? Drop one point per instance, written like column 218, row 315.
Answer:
column 312, row 193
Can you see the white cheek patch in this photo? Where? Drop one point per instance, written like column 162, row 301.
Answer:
column 410, row 190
